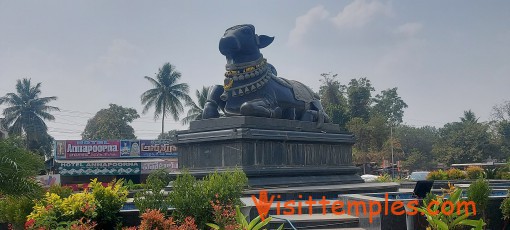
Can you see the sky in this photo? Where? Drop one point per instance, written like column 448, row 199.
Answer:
column 445, row 57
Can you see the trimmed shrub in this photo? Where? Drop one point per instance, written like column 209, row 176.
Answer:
column 474, row 172
column 14, row 210
column 110, row 200
column 53, row 212
column 437, row 175
column 62, row 191
column 479, row 192
column 152, row 197
column 455, row 174
column 192, row 197
column 505, row 209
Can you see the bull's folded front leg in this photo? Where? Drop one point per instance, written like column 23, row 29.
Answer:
column 260, row 108
column 213, row 103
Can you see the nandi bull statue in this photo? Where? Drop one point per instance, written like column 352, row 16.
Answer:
column 251, row 87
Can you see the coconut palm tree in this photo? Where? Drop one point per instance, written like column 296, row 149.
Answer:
column 26, row 111
column 167, row 94
column 469, row 117
column 196, row 109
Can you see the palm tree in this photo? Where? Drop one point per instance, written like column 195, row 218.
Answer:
column 195, row 111
column 26, row 111
column 167, row 94
column 469, row 116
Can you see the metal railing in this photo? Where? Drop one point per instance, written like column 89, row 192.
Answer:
column 288, row 221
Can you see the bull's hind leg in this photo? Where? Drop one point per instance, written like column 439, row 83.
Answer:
column 214, row 103
column 260, row 108
column 316, row 114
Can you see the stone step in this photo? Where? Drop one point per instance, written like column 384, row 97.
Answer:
column 314, row 221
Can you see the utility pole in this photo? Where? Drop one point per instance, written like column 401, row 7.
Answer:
column 392, row 162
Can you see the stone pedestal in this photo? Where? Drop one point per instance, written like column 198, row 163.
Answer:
column 272, row 152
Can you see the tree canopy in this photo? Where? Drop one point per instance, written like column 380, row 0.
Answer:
column 196, row 109
column 26, row 114
column 167, row 95
column 111, row 123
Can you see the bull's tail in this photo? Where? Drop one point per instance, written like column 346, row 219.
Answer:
column 321, row 115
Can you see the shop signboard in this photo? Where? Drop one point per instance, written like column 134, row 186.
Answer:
column 168, row 165
column 157, row 148
column 99, row 168
column 129, row 148
column 83, row 149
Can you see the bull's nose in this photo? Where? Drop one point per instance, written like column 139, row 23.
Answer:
column 229, row 45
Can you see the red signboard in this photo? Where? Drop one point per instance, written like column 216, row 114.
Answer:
column 92, row 149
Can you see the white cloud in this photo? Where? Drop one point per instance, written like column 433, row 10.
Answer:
column 359, row 13
column 305, row 22
column 409, row 29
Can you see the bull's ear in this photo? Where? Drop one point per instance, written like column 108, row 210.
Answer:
column 264, row 40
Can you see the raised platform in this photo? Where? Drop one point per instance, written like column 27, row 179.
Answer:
column 272, row 152
column 262, row 123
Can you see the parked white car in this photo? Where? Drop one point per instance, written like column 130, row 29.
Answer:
column 369, row 177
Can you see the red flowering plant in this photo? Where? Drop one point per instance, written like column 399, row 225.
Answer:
column 154, row 219
column 224, row 216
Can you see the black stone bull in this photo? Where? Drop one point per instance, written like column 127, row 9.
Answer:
column 251, row 87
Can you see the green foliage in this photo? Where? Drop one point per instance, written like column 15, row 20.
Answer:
column 464, row 142
column 242, row 222
column 416, row 160
column 437, row 175
column 153, row 197
column 371, row 138
column 474, row 172
column 455, row 174
column 384, row 178
column 331, row 90
column 490, row 173
column 132, row 186
column 110, row 200
column 457, row 219
column 505, row 209
column 111, row 123
column 154, row 219
column 429, row 197
column 189, row 197
column 26, row 112
column 226, row 187
column 390, row 105
column 15, row 210
column 170, row 135
column 333, row 100
column 196, row 109
column 479, row 192
column 167, row 95
column 158, row 179
column 417, row 144
column 359, row 98
column 17, row 169
column 52, row 212
column 192, row 197
column 337, row 113
column 62, row 191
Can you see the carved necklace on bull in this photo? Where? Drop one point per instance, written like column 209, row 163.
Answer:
column 244, row 71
